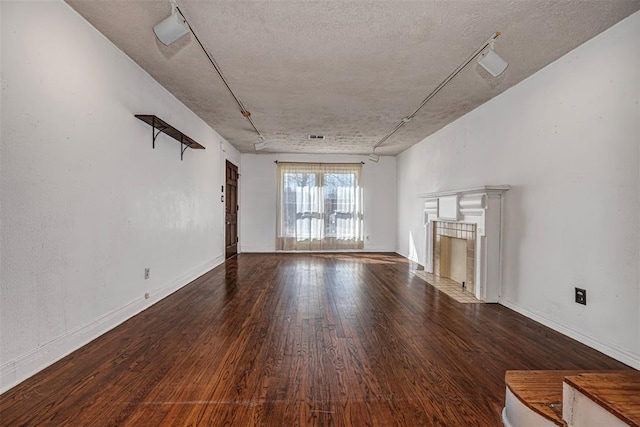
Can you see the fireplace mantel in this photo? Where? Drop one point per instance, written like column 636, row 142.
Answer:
column 486, row 189
column 483, row 207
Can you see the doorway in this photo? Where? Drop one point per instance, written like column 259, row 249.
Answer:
column 231, row 212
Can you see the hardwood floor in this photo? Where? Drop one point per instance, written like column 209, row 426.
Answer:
column 285, row 340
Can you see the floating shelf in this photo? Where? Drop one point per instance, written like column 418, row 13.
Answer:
column 163, row 127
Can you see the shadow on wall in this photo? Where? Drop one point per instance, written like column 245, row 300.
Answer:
column 513, row 233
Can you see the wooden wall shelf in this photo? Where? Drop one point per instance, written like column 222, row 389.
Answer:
column 163, row 127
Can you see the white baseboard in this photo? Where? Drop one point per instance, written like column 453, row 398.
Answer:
column 22, row 367
column 405, row 255
column 257, row 249
column 402, row 254
column 611, row 350
column 272, row 249
column 382, row 249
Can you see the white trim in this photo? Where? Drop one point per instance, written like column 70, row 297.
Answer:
column 505, row 419
column 517, row 414
column 613, row 351
column 256, row 249
column 378, row 249
column 271, row 249
column 499, row 189
column 338, row 251
column 405, row 255
column 22, row 367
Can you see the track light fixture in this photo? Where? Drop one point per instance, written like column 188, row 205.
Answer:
column 175, row 26
column 492, row 62
column 260, row 145
column 172, row 27
column 374, row 157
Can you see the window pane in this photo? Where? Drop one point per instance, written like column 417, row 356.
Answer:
column 300, row 204
column 340, row 205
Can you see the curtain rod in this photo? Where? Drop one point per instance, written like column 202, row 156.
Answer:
column 320, row 163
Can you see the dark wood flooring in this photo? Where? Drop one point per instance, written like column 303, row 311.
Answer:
column 286, row 340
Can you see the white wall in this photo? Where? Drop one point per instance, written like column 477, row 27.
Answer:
column 258, row 184
column 567, row 139
column 85, row 203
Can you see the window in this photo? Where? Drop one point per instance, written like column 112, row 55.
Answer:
column 319, row 206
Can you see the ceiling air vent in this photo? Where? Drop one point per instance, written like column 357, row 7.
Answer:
column 316, row 137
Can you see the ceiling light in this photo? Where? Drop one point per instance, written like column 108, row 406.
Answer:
column 492, row 62
column 260, row 145
column 374, row 157
column 171, row 28
column 176, row 26
column 496, row 65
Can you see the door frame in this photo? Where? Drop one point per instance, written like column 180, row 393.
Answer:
column 237, row 211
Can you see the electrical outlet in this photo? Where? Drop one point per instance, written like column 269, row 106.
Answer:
column 147, row 273
column 581, row 296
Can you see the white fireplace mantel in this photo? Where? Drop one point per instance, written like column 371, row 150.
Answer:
column 497, row 189
column 483, row 207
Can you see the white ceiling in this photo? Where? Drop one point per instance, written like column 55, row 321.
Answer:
column 349, row 70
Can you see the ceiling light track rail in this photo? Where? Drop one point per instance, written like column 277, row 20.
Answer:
column 243, row 109
column 438, row 88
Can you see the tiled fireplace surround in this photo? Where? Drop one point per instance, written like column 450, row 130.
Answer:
column 475, row 215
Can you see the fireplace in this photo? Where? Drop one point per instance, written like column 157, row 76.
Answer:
column 463, row 233
column 454, row 252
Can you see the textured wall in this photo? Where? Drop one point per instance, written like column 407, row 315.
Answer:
column 258, row 185
column 86, row 204
column 567, row 141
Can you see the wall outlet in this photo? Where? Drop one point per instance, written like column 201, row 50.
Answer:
column 146, row 295
column 147, row 273
column 581, row 296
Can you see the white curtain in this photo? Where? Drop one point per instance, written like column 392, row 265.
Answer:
column 319, row 206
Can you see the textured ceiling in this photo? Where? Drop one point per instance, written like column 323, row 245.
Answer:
column 349, row 70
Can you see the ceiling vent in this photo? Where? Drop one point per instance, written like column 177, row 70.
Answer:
column 316, row 137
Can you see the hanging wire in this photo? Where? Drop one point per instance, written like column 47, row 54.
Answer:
column 433, row 93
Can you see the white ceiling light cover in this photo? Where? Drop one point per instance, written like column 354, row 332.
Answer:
column 493, row 63
column 260, row 145
column 171, row 28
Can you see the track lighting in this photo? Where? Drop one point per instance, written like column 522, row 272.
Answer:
column 172, row 27
column 492, row 62
column 260, row 145
column 374, row 157
column 175, row 26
